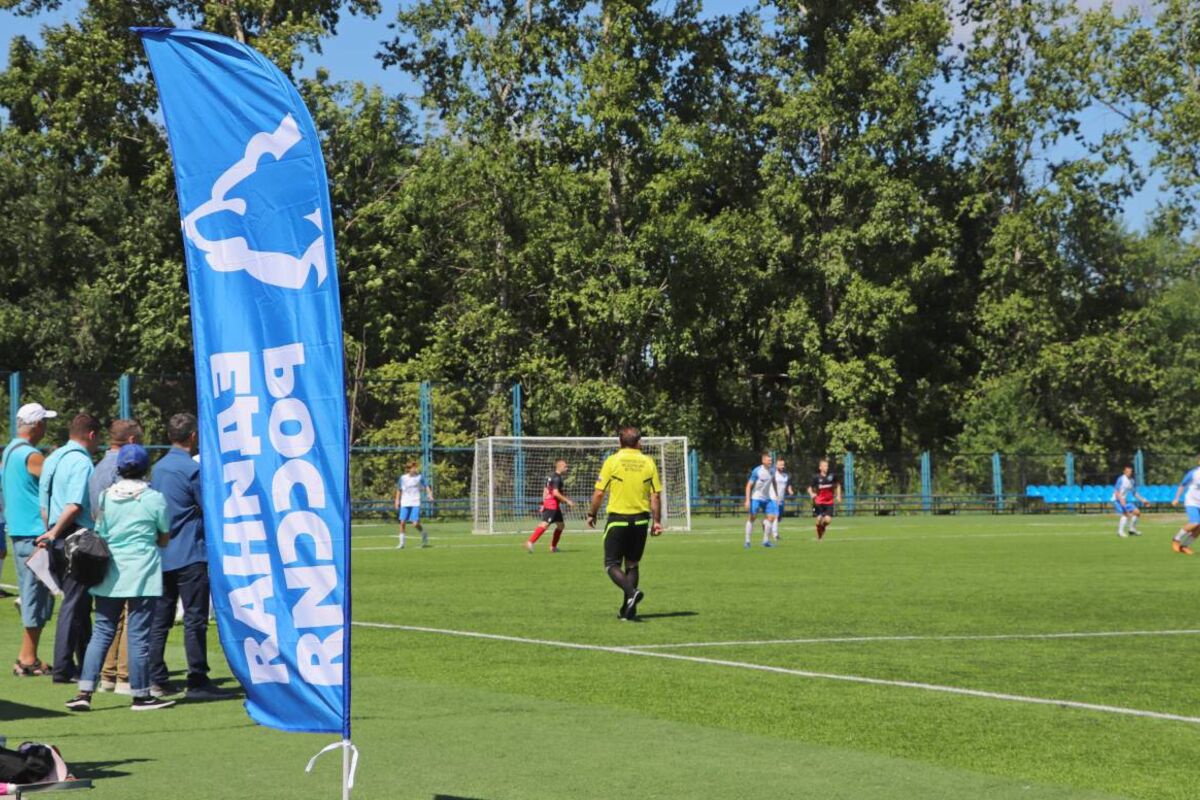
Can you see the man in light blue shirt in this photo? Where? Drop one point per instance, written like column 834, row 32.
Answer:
column 20, row 467
column 66, row 507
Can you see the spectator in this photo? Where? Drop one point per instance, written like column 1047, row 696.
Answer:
column 3, row 540
column 66, row 507
column 20, row 468
column 114, row 676
column 185, row 565
column 133, row 521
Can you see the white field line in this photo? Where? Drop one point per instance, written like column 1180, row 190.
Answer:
column 929, row 687
column 946, row 638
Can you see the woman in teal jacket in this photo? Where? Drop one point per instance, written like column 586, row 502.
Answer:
column 132, row 520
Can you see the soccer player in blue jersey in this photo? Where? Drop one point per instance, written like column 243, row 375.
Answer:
column 1191, row 503
column 408, row 501
column 1125, row 500
column 761, row 499
column 783, row 488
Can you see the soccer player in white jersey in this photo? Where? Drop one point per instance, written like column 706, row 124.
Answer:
column 1124, row 494
column 1191, row 502
column 760, row 499
column 783, row 488
column 408, row 501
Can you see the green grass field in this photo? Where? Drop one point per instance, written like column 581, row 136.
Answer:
column 662, row 708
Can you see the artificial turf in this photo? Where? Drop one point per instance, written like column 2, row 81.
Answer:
column 439, row 714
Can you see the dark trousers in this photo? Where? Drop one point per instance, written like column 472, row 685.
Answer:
column 73, row 630
column 190, row 584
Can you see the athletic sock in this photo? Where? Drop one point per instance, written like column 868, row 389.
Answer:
column 749, row 530
column 620, row 579
column 557, row 536
column 402, row 540
column 1121, row 526
column 1180, row 536
column 632, row 574
column 775, row 529
column 424, row 536
column 537, row 533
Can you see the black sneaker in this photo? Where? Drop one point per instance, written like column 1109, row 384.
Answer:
column 150, row 703
column 632, row 603
column 80, row 702
column 208, row 691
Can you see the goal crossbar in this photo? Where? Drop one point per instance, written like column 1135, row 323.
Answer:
column 511, row 472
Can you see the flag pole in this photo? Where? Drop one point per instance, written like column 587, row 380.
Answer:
column 349, row 763
column 346, row 769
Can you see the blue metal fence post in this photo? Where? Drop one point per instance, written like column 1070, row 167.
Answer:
column 997, row 481
column 426, row 393
column 926, row 483
column 124, row 386
column 848, row 483
column 14, row 403
column 1139, row 468
column 519, row 459
column 1069, row 469
column 694, row 476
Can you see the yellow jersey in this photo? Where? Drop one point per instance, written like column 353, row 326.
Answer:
column 629, row 476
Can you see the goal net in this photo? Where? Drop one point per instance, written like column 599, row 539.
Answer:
column 511, row 472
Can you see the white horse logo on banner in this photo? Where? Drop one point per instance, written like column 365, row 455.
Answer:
column 233, row 254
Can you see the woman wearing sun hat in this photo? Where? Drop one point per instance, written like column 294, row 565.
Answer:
column 133, row 522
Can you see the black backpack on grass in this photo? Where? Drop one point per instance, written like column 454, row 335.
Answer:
column 30, row 763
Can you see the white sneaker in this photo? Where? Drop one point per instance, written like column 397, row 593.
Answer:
column 124, row 688
column 1123, row 534
column 107, row 686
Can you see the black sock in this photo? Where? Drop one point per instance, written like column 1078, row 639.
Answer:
column 620, row 579
column 632, row 573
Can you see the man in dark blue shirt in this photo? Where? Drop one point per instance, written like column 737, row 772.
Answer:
column 184, row 565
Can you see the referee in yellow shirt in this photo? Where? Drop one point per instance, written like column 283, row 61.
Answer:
column 630, row 478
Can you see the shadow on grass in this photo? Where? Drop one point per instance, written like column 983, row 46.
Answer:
column 10, row 710
column 667, row 614
column 93, row 770
column 453, row 797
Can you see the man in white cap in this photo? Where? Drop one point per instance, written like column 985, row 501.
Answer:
column 20, row 469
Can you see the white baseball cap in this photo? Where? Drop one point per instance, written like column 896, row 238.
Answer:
column 33, row 413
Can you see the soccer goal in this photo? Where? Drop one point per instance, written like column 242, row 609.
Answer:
column 510, row 474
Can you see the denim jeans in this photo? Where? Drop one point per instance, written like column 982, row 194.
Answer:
column 189, row 584
column 108, row 613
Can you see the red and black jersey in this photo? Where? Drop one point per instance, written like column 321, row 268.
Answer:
column 549, row 500
column 822, row 486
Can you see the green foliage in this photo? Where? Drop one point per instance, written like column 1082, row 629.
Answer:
column 862, row 226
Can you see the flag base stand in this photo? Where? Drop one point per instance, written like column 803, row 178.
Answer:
column 349, row 763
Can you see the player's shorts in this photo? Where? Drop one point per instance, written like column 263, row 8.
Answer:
column 409, row 514
column 1128, row 507
column 552, row 515
column 822, row 509
column 1193, row 514
column 625, row 538
column 768, row 507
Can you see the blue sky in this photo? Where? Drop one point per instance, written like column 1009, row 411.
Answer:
column 351, row 56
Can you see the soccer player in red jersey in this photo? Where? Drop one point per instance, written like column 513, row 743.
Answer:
column 552, row 500
column 825, row 490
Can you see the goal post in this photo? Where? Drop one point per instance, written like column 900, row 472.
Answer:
column 511, row 471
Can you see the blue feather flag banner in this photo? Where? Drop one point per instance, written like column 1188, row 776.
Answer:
column 270, row 376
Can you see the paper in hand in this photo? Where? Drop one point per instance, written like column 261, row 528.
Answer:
column 39, row 565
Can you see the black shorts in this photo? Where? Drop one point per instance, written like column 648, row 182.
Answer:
column 822, row 510
column 625, row 538
column 551, row 515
